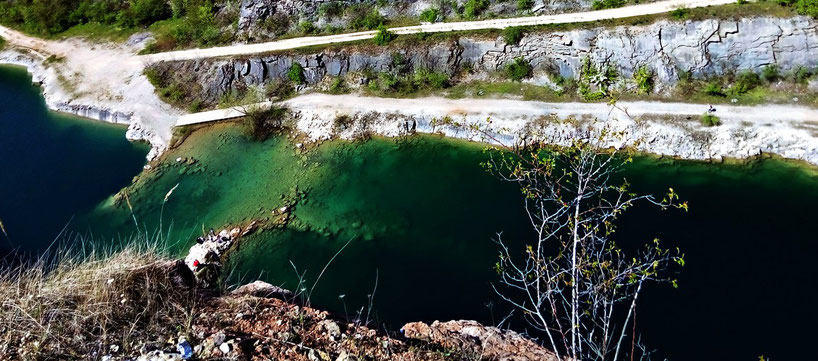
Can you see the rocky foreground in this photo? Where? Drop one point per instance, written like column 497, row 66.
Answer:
column 259, row 321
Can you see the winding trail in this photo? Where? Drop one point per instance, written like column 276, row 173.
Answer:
column 623, row 12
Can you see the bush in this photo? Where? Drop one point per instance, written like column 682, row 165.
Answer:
column 745, row 81
column 607, row 4
column 644, row 80
column 278, row 24
column 296, row 74
column 474, row 8
column 713, row 89
column 306, row 27
column 331, row 9
column 338, row 86
column 524, row 5
column 261, row 123
column 771, row 73
column 679, row 13
column 807, row 7
column 801, row 75
column 145, row 12
column 429, row 15
column 364, row 17
column 513, row 34
column 710, row 120
column 2, row 43
column 425, row 78
column 384, row 36
column 519, row 69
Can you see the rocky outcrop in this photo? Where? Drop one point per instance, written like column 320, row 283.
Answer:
column 488, row 343
column 703, row 48
column 253, row 13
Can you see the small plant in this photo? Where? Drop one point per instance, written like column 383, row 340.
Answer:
column 680, row 13
column 296, row 74
column 262, row 122
column 741, row 2
column 384, row 36
column 524, row 5
column 644, row 80
column 607, row 4
column 745, row 81
column 801, row 74
column 331, row 9
column 513, row 34
column 710, row 120
column 771, row 73
column 338, row 86
column 713, row 89
column 807, row 7
column 473, row 8
column 307, row 27
column 2, row 43
column 519, row 69
column 430, row 15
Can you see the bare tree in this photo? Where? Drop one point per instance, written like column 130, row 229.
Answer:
column 573, row 282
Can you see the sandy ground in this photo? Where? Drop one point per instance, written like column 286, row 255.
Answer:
column 671, row 129
column 98, row 81
column 623, row 12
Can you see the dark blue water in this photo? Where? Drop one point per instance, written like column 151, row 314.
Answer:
column 53, row 166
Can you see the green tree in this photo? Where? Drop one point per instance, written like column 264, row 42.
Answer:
column 296, row 74
column 384, row 36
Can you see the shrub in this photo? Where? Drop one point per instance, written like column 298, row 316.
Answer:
column 513, row 34
column 713, row 89
column 2, row 43
column 473, row 8
column 363, row 17
column 679, row 13
column 307, row 27
column 710, row 120
column 801, row 74
column 644, row 80
column 741, row 2
column 145, row 12
column 524, row 5
column 771, row 73
column 296, row 74
column 278, row 24
column 430, row 15
column 519, row 69
column 807, row 7
column 260, row 123
column 331, row 9
column 384, row 36
column 745, row 81
column 338, row 86
column 607, row 4
column 425, row 78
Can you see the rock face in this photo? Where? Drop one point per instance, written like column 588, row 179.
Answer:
column 700, row 47
column 489, row 343
column 253, row 12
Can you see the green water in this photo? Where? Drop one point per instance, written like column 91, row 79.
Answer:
column 53, row 167
column 421, row 214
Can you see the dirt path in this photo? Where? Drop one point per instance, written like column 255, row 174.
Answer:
column 654, row 127
column 623, row 12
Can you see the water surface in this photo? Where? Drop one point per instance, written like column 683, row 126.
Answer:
column 53, row 166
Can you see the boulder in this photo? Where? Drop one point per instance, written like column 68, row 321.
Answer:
column 489, row 342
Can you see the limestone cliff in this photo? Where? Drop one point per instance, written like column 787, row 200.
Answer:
column 703, row 48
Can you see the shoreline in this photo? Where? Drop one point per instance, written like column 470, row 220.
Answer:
column 79, row 78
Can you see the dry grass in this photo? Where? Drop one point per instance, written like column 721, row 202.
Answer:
column 75, row 306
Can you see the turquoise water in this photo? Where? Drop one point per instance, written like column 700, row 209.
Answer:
column 421, row 214
column 53, row 167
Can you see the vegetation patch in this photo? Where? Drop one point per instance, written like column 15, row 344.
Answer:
column 710, row 120
column 518, row 69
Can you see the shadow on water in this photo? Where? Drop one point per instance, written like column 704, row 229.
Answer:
column 53, row 166
column 421, row 214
